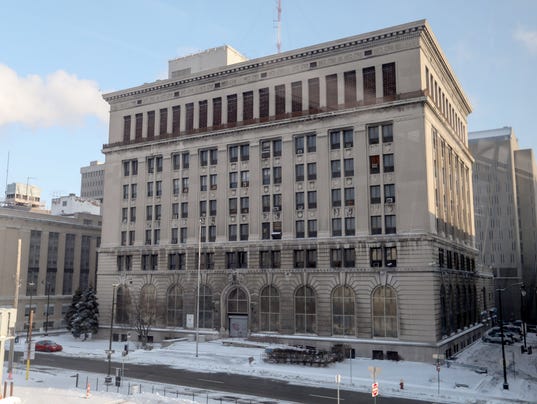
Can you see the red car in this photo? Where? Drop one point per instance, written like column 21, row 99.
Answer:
column 47, row 346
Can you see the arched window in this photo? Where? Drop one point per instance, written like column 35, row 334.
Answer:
column 237, row 301
column 343, row 311
column 269, row 309
column 148, row 303
column 305, row 316
column 443, row 310
column 174, row 306
column 385, row 312
column 206, row 307
column 122, row 305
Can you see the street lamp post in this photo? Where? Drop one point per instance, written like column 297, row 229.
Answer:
column 108, row 379
column 198, row 291
column 47, row 309
column 31, row 285
column 505, row 384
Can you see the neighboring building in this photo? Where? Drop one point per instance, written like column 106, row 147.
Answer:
column 505, row 190
column 58, row 255
column 327, row 191
column 71, row 204
column 92, row 182
column 24, row 195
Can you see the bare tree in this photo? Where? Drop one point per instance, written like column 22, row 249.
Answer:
column 144, row 314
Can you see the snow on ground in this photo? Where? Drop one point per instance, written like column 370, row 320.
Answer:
column 459, row 382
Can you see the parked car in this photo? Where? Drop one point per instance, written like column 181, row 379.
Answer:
column 47, row 346
column 496, row 339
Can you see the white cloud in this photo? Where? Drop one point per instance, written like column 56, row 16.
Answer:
column 59, row 99
column 527, row 37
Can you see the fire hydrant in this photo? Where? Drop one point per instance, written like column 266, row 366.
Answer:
column 402, row 384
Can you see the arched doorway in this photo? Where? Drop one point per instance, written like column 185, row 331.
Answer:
column 237, row 312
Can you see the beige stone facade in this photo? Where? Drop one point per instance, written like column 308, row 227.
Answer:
column 58, row 255
column 327, row 191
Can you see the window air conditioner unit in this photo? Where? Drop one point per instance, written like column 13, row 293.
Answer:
column 185, row 190
column 244, row 183
column 389, row 200
column 299, row 151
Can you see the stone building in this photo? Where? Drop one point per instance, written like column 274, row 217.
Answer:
column 58, row 255
column 92, row 181
column 324, row 195
column 505, row 195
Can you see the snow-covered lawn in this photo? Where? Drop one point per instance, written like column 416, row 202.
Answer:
column 459, row 382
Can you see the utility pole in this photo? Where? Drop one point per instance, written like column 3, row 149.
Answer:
column 46, row 312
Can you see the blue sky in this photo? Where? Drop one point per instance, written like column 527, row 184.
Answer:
column 57, row 57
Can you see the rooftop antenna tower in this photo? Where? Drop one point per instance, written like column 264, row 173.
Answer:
column 278, row 27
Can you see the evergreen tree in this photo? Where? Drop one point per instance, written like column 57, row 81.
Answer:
column 86, row 319
column 71, row 313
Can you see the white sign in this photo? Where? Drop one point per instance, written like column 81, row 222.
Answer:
column 374, row 389
column 190, row 321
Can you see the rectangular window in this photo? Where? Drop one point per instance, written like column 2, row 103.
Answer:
column 138, row 126
column 299, row 229
column 376, row 224
column 148, row 237
column 387, row 160
column 277, row 173
column 156, row 236
column 149, row 212
column 299, row 145
column 150, row 189
column 150, row 165
column 311, row 143
column 186, row 160
column 233, row 153
column 245, row 179
column 265, row 173
column 125, row 192
column 277, row 147
column 387, row 133
column 213, row 156
column 331, row 92
column 349, row 196
column 184, row 210
column 299, row 258
column 388, row 80
column 277, row 202
column 158, row 212
column 158, row 164
column 212, row 207
column 212, row 181
column 389, row 193
column 312, row 171
column 312, row 199
column 373, row 134
column 348, row 138
column 212, row 234
column 233, row 179
column 263, row 103
column 335, row 168
column 232, row 109
column 296, row 97
column 176, row 161
column 279, row 99
column 203, row 183
column 374, row 164
column 176, row 120
column 370, row 88
column 314, row 95
column 245, row 152
column 189, row 116
column 265, row 201
column 336, row 227
column 390, row 256
column 245, row 204
column 244, row 232
column 312, row 228
column 134, row 167
column 348, row 165
column 299, row 200
column 202, row 119
column 133, row 214
column 175, row 211
column 232, row 232
column 390, row 224
column 158, row 188
column 350, row 227
column 335, row 140
column 232, row 203
column 375, row 257
column 265, row 231
column 176, row 182
column 126, row 128
column 217, row 111
column 163, row 121
column 336, row 258
column 182, row 235
column 349, row 257
column 248, row 105
column 277, row 231
column 123, row 238
column 336, row 197
column 134, row 191
column 374, row 193
column 311, row 258
column 349, row 79
column 150, row 124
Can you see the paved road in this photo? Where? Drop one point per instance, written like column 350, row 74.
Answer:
column 231, row 383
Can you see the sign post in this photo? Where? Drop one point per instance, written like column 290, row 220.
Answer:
column 338, row 380
column 438, row 357
column 374, row 371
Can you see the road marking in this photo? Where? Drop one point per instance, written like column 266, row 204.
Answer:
column 331, row 398
column 212, row 381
